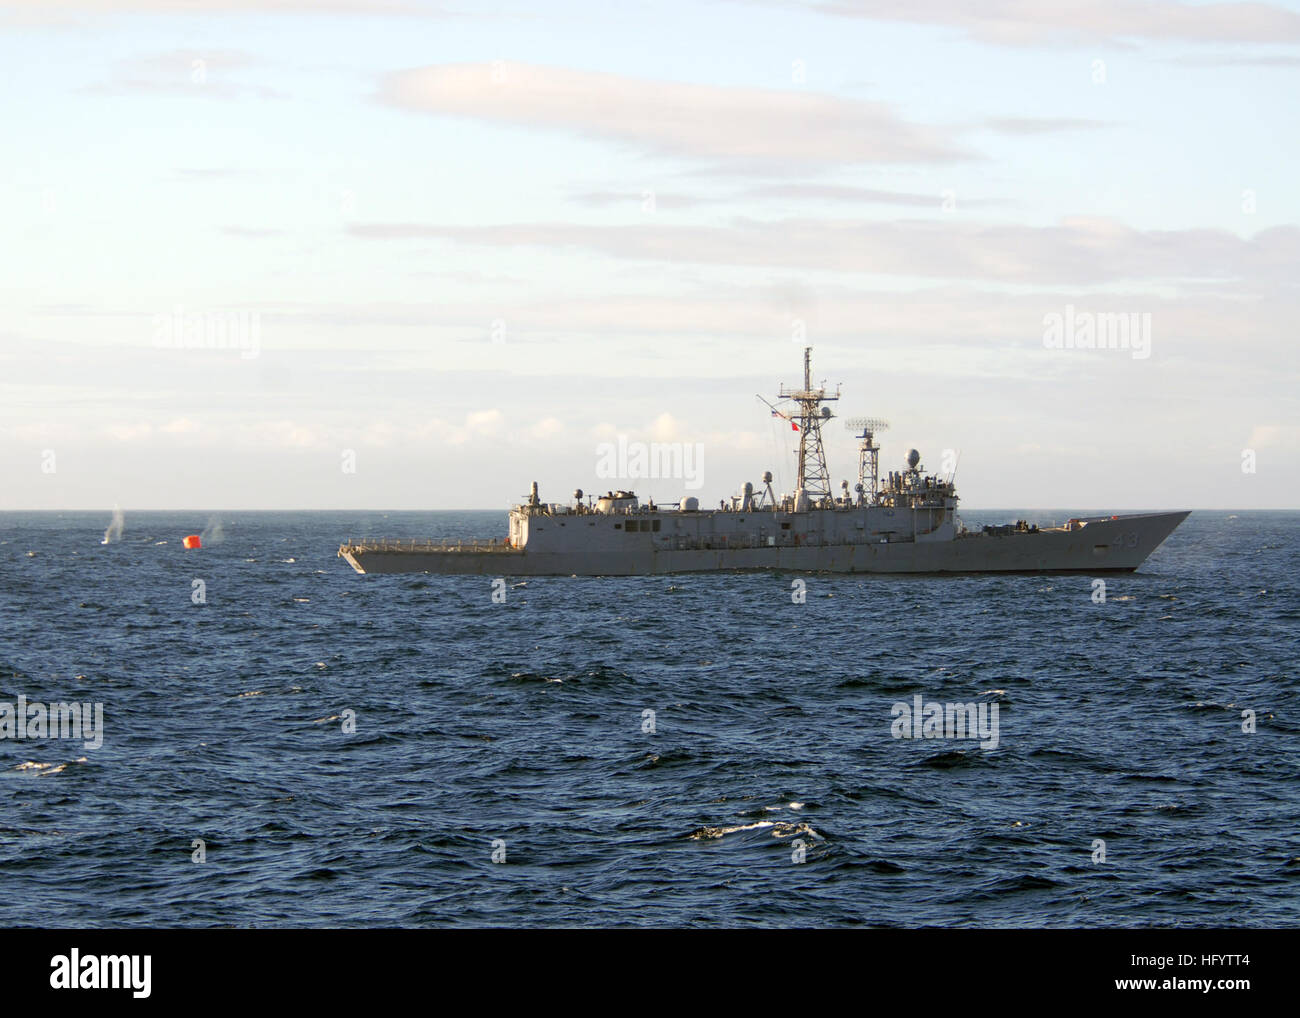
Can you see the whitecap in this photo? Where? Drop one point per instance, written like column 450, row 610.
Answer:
column 719, row 832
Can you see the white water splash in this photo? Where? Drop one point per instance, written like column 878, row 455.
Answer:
column 214, row 532
column 115, row 527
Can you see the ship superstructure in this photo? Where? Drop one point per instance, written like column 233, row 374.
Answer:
column 905, row 522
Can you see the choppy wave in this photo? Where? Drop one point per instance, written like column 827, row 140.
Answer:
column 646, row 751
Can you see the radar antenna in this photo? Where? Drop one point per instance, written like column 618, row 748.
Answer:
column 868, row 456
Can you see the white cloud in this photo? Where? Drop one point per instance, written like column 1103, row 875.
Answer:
column 1090, row 22
column 192, row 73
column 283, row 434
column 1077, row 251
column 51, row 8
column 484, row 422
column 130, row 432
column 1273, row 436
column 547, row 427
column 748, row 126
column 665, row 429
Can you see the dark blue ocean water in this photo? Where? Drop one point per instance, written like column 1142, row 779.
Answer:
column 523, row 722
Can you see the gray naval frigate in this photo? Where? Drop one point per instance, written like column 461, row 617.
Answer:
column 904, row 522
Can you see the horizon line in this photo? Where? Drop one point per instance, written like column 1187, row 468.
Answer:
column 665, row 507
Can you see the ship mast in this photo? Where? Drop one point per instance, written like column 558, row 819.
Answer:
column 868, row 456
column 814, row 476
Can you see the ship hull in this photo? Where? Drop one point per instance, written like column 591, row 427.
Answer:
column 1113, row 544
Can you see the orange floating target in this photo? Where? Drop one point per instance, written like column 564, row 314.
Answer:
column 192, row 541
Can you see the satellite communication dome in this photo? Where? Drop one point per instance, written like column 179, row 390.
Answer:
column 913, row 458
column 577, row 495
column 826, row 413
column 767, row 477
column 749, row 488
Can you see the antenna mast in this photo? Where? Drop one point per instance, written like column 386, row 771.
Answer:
column 868, row 456
column 814, row 481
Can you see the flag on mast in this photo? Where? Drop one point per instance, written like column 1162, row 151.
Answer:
column 784, row 417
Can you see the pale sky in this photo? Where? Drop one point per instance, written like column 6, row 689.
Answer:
column 471, row 242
